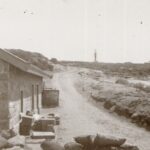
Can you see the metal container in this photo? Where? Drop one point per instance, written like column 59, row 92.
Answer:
column 50, row 97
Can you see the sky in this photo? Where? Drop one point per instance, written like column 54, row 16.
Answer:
column 119, row 30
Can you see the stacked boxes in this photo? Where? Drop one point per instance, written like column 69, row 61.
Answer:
column 44, row 128
column 43, row 124
column 47, row 121
column 41, row 128
column 57, row 119
column 56, row 116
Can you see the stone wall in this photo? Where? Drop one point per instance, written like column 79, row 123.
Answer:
column 22, row 81
column 4, row 75
column 14, row 110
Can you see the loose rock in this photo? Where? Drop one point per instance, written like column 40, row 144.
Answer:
column 102, row 141
column 51, row 145
column 84, row 140
column 73, row 146
column 17, row 140
column 3, row 142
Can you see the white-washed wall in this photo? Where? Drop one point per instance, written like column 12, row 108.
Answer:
column 15, row 109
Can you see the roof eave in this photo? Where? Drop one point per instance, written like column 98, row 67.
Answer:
column 37, row 71
column 22, row 64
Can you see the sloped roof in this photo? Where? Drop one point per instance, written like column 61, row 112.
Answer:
column 21, row 64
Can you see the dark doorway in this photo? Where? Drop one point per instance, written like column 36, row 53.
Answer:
column 21, row 101
column 32, row 97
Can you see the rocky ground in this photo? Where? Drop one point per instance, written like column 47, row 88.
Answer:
column 122, row 96
column 80, row 114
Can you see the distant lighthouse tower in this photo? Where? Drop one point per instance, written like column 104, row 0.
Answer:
column 95, row 56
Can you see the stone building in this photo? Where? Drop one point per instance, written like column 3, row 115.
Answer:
column 20, row 88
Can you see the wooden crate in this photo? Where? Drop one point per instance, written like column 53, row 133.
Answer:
column 42, row 135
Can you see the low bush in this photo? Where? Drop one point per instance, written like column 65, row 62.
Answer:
column 139, row 86
column 142, row 87
column 122, row 81
column 147, row 89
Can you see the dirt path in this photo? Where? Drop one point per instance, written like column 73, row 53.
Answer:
column 78, row 116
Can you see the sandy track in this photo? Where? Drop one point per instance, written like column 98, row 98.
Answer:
column 78, row 116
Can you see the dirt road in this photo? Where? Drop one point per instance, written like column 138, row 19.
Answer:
column 79, row 116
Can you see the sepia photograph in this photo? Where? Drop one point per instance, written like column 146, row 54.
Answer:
column 74, row 75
